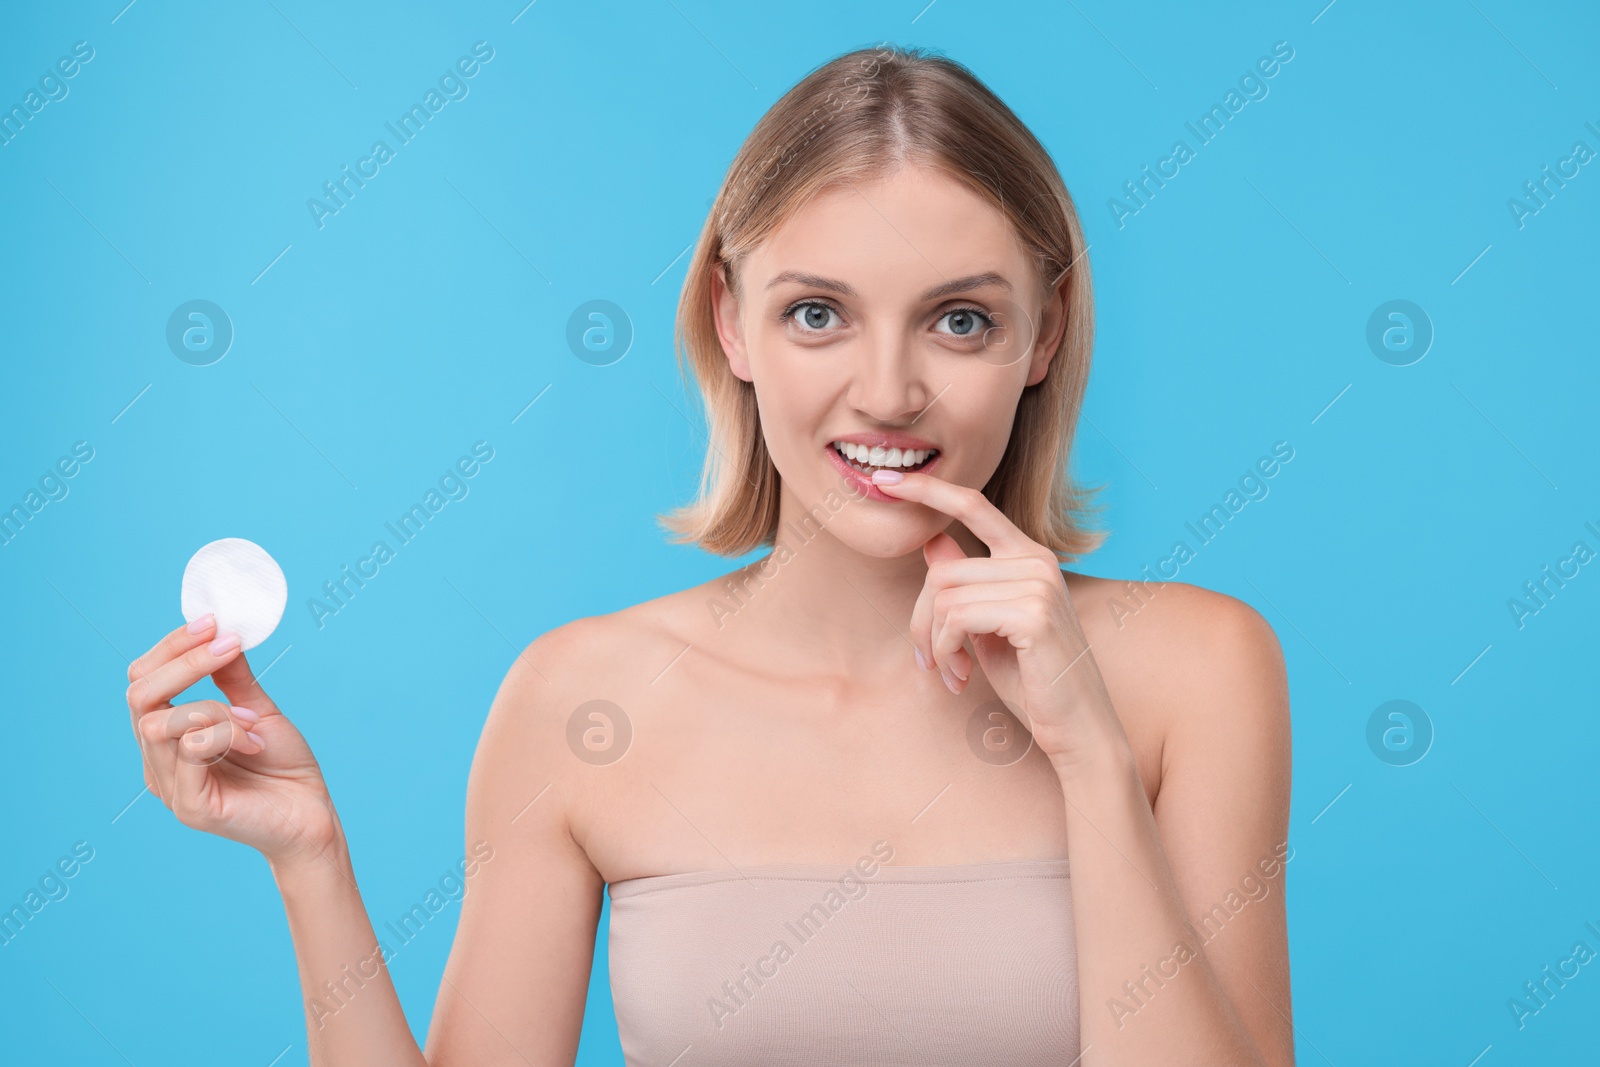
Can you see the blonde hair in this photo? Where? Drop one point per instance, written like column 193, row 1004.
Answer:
column 855, row 118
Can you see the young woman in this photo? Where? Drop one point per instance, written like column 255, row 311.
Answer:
column 836, row 794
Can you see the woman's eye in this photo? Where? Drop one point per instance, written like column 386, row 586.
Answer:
column 813, row 317
column 966, row 322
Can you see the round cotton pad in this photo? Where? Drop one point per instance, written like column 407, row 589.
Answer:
column 241, row 584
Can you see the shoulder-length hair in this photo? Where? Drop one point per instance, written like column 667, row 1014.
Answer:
column 852, row 119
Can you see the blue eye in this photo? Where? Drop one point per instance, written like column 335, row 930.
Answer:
column 813, row 315
column 967, row 322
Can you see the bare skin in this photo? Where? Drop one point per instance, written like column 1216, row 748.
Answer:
column 799, row 727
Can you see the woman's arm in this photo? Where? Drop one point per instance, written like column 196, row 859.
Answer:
column 241, row 770
column 1221, row 703
column 518, row 975
column 1182, row 941
column 514, row 987
column 353, row 1015
column 513, row 990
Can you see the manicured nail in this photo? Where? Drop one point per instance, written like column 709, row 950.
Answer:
column 244, row 713
column 252, row 735
column 949, row 683
column 957, row 673
column 202, row 624
column 887, row 477
column 921, row 661
column 224, row 644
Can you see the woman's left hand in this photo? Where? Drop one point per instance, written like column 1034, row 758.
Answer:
column 1015, row 606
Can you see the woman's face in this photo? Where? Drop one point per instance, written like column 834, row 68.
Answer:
column 902, row 315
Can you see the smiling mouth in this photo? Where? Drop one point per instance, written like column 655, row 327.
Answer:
column 876, row 458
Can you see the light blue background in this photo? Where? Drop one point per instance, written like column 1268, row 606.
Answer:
column 1232, row 312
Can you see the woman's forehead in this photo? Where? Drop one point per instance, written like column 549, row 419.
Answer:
column 903, row 233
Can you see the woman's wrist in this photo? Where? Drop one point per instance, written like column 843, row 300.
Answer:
column 1103, row 757
column 313, row 865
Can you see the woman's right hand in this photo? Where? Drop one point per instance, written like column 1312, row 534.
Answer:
column 242, row 771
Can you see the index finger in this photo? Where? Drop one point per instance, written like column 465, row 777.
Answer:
column 164, row 651
column 969, row 506
column 173, row 645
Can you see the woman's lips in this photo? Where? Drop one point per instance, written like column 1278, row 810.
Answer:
column 863, row 481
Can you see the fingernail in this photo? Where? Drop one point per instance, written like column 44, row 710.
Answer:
column 252, row 735
column 948, row 682
column 224, row 644
column 202, row 624
column 244, row 713
column 921, row 661
column 957, row 673
column 887, row 477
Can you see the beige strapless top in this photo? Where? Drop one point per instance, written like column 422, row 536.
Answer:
column 815, row 965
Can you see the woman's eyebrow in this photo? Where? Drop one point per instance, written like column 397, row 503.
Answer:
column 971, row 281
column 958, row 285
column 814, row 281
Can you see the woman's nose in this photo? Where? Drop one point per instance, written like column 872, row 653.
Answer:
column 889, row 380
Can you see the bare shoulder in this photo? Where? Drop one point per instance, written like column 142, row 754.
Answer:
column 543, row 716
column 1186, row 665
column 595, row 657
column 1172, row 629
column 1189, row 616
column 614, row 649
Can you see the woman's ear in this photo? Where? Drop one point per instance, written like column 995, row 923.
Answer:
column 1052, row 324
column 725, row 311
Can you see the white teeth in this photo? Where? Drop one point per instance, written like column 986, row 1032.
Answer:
column 878, row 456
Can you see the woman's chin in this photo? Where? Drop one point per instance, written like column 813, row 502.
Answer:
column 888, row 537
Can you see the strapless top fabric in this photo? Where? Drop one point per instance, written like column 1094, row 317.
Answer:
column 800, row 964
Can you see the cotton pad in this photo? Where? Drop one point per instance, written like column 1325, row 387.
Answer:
column 237, row 581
